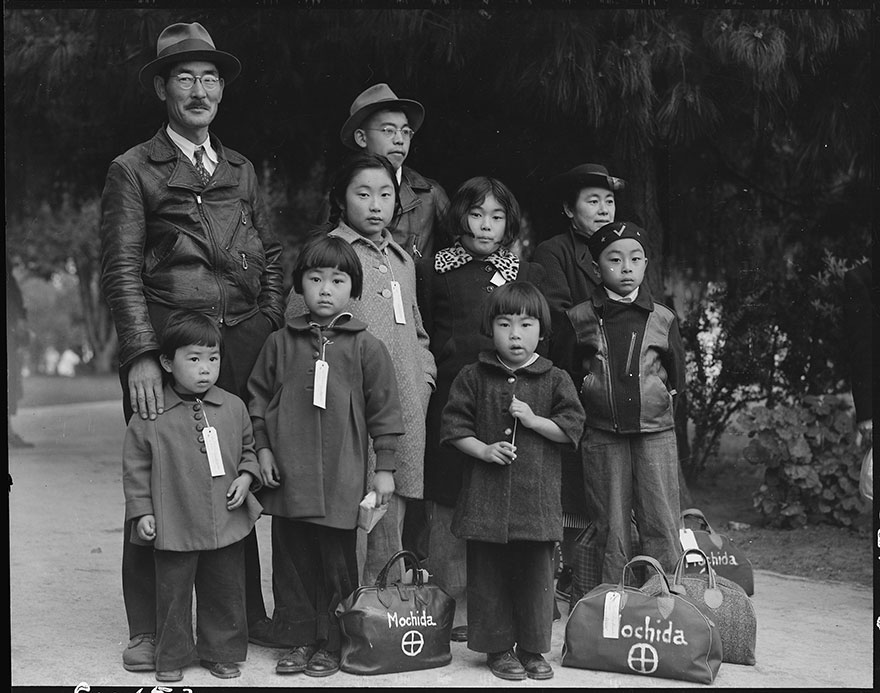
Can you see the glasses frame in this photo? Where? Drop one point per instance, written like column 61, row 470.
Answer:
column 391, row 132
column 197, row 78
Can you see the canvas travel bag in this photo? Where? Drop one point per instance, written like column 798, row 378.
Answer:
column 624, row 629
column 389, row 628
column 723, row 601
column 726, row 558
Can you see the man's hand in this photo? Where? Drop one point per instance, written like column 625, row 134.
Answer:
column 145, row 386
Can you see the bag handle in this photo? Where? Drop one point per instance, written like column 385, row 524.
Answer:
column 698, row 514
column 418, row 577
column 682, row 561
column 646, row 560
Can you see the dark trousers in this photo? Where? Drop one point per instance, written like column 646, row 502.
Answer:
column 313, row 569
column 218, row 578
column 510, row 595
column 241, row 346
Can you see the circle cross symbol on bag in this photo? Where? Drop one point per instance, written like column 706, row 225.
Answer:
column 643, row 658
column 412, row 643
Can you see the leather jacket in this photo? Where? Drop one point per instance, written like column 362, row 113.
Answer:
column 167, row 240
column 419, row 229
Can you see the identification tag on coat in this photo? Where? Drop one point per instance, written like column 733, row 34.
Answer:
column 397, row 301
column 322, row 371
column 212, row 447
column 497, row 279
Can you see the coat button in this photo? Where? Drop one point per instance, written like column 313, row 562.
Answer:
column 488, row 268
column 383, row 269
column 199, row 427
column 315, row 354
column 386, row 293
column 490, row 289
column 197, row 406
column 508, row 431
column 201, row 439
column 197, row 416
column 511, row 379
column 203, row 449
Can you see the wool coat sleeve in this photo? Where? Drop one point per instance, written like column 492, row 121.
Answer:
column 567, row 411
column 429, row 366
column 137, row 467
column 460, row 412
column 261, row 388
column 383, row 412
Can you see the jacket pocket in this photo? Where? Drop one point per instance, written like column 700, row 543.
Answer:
column 161, row 253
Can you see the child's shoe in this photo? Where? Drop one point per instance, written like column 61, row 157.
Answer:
column 535, row 665
column 323, row 663
column 295, row 660
column 505, row 666
column 140, row 655
column 222, row 670
column 170, row 676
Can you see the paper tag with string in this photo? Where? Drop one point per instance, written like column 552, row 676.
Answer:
column 397, row 301
column 322, row 373
column 212, row 446
column 611, row 617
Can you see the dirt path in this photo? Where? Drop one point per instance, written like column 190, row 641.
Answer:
column 68, row 622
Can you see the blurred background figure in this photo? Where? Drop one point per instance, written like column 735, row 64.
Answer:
column 859, row 315
column 17, row 338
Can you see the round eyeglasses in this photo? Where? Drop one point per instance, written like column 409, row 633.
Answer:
column 187, row 82
column 390, row 132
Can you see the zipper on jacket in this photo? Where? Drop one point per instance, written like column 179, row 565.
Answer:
column 244, row 221
column 608, row 378
column 629, row 356
column 216, row 258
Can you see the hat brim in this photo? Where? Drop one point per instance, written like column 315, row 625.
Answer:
column 577, row 181
column 415, row 114
column 228, row 64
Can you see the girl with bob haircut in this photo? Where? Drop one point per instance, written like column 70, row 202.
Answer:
column 512, row 412
column 312, row 439
column 454, row 285
column 364, row 202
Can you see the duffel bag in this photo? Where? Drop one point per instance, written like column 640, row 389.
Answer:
column 723, row 601
column 624, row 629
column 726, row 558
column 388, row 628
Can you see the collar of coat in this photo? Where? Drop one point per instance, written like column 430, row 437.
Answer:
column 541, row 364
column 226, row 175
column 344, row 322
column 214, row 396
column 506, row 262
column 345, row 232
column 644, row 300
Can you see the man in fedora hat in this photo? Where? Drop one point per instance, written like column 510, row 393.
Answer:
column 383, row 124
column 184, row 226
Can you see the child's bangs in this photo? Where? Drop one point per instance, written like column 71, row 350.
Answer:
column 517, row 298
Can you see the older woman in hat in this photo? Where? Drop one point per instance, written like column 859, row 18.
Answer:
column 588, row 202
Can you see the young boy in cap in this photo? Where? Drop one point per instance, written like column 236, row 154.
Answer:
column 632, row 351
column 383, row 124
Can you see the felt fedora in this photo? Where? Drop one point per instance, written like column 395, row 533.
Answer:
column 182, row 42
column 379, row 97
column 587, row 175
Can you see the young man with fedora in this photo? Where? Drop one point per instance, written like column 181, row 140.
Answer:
column 383, row 124
column 184, row 226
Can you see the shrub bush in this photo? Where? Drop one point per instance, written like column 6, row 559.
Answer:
column 810, row 458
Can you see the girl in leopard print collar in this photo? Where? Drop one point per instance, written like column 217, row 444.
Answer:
column 453, row 285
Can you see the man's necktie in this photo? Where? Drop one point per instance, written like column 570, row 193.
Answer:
column 200, row 166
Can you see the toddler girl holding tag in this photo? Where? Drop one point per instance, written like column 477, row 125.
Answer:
column 511, row 412
column 364, row 202
column 453, row 286
column 321, row 388
column 187, row 477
